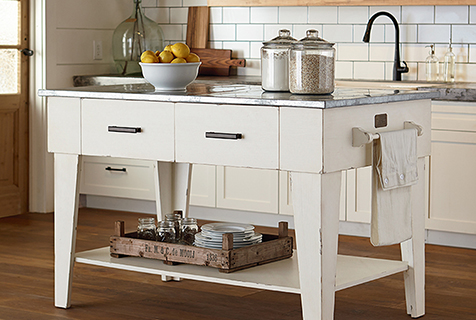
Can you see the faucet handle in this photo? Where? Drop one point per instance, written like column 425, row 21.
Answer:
column 403, row 69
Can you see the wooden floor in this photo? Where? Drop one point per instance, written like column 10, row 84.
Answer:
column 26, row 282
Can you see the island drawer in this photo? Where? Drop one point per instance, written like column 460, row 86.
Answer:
column 229, row 135
column 128, row 129
column 117, row 177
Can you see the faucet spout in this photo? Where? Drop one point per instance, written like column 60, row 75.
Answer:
column 397, row 64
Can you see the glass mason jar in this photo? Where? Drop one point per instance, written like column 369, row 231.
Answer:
column 176, row 219
column 133, row 36
column 189, row 229
column 274, row 62
column 146, row 229
column 312, row 65
column 166, row 232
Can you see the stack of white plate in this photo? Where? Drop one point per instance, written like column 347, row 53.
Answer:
column 212, row 234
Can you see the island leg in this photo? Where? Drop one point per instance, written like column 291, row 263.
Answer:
column 172, row 191
column 316, row 201
column 65, row 221
column 413, row 250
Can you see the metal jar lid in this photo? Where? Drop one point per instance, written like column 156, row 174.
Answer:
column 312, row 40
column 283, row 39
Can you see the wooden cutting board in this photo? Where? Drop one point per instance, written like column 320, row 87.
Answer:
column 197, row 27
column 216, row 62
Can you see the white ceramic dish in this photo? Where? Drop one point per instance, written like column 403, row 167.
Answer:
column 170, row 76
column 224, row 227
column 256, row 236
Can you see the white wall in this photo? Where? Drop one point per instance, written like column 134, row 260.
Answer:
column 74, row 24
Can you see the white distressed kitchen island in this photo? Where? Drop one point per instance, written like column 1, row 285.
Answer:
column 239, row 125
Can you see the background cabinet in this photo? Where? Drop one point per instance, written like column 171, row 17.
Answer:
column 453, row 167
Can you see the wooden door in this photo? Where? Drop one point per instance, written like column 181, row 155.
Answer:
column 13, row 108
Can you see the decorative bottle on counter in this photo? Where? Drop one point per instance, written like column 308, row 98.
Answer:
column 432, row 64
column 312, row 65
column 146, row 229
column 449, row 65
column 132, row 37
column 274, row 62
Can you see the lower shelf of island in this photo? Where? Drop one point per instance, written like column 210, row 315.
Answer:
column 280, row 275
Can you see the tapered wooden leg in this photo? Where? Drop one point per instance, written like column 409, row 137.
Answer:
column 413, row 250
column 182, row 180
column 316, row 201
column 172, row 185
column 66, row 216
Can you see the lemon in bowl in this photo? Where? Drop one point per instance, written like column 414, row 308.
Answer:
column 170, row 76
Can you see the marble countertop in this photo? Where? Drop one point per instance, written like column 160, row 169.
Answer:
column 459, row 91
column 205, row 90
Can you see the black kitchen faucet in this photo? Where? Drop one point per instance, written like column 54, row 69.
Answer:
column 397, row 67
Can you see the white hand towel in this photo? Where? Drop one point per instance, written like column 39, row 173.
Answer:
column 394, row 172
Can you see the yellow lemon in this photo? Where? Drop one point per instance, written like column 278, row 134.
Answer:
column 145, row 54
column 179, row 60
column 180, row 50
column 150, row 58
column 192, row 57
column 157, row 53
column 166, row 56
column 168, row 48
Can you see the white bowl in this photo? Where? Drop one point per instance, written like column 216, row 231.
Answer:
column 170, row 76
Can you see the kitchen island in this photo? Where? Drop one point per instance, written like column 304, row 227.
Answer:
column 240, row 125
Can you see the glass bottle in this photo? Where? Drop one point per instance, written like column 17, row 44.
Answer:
column 146, row 229
column 176, row 219
column 133, row 36
column 166, row 232
column 312, row 65
column 274, row 62
column 189, row 229
column 449, row 65
column 432, row 64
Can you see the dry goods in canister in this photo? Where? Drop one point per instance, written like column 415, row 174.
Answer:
column 312, row 65
column 275, row 61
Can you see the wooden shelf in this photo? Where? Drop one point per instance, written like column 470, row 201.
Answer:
column 273, row 3
column 277, row 276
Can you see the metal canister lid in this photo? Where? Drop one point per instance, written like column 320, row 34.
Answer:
column 283, row 38
column 312, row 39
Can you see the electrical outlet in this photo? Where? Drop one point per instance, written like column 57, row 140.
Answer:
column 97, row 50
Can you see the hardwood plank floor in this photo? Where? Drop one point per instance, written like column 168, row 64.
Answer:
column 26, row 282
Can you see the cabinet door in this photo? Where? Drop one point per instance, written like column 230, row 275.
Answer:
column 453, row 182
column 247, row 189
column 359, row 194
column 202, row 190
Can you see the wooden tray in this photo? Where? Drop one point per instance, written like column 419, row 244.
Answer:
column 227, row 259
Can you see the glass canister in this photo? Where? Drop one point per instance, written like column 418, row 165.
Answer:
column 166, row 231
column 133, row 36
column 146, row 229
column 274, row 62
column 176, row 219
column 189, row 229
column 312, row 65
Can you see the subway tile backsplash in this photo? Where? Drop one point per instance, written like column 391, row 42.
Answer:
column 243, row 29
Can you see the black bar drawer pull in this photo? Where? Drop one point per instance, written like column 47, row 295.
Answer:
column 116, row 169
column 223, row 135
column 124, row 129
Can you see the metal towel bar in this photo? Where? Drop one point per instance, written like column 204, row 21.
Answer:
column 361, row 137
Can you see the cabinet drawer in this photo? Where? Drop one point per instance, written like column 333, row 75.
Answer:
column 102, row 119
column 115, row 177
column 214, row 140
